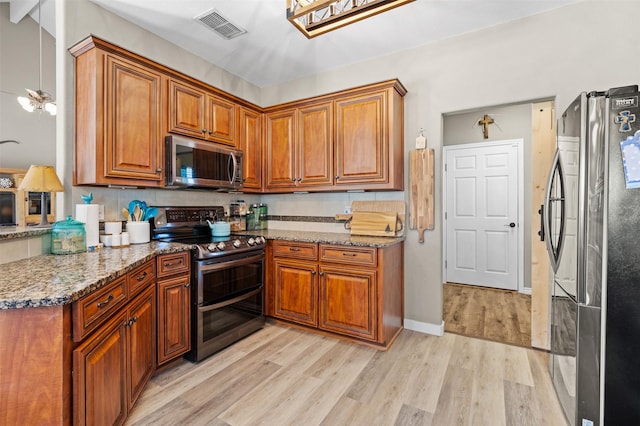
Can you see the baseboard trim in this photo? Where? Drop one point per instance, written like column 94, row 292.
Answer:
column 424, row 327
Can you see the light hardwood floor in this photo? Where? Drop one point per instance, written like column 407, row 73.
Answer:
column 488, row 313
column 284, row 376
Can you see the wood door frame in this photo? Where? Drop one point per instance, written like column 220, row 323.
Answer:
column 519, row 143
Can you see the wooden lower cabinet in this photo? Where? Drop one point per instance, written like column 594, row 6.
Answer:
column 174, row 306
column 348, row 300
column 352, row 291
column 296, row 291
column 173, row 318
column 112, row 366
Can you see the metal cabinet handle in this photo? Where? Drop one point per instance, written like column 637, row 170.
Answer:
column 294, row 249
column 142, row 277
column 177, row 262
column 187, row 285
column 313, row 272
column 321, row 274
column 204, row 131
column 105, row 302
column 349, row 254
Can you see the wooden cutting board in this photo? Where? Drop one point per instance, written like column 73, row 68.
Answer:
column 397, row 206
column 379, row 224
column 421, row 181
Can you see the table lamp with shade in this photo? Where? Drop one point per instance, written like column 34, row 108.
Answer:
column 41, row 179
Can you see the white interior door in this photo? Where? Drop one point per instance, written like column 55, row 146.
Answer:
column 483, row 214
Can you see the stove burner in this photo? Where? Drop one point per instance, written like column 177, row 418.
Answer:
column 188, row 225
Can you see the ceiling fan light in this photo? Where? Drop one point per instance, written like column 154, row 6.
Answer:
column 51, row 108
column 26, row 103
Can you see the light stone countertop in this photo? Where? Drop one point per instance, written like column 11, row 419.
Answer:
column 50, row 280
column 343, row 239
column 15, row 232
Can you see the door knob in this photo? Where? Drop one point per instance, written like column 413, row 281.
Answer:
column 511, row 225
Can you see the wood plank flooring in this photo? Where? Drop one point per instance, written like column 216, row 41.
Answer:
column 487, row 313
column 285, row 376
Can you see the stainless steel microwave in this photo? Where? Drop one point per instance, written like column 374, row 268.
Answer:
column 198, row 164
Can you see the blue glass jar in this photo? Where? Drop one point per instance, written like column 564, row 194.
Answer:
column 68, row 236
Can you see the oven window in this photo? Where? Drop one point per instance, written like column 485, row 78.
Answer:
column 228, row 283
column 219, row 321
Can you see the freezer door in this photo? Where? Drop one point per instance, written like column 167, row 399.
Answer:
column 564, row 314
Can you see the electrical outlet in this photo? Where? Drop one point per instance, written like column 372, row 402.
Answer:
column 101, row 212
column 347, row 209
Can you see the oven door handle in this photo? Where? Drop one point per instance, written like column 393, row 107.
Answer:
column 230, row 301
column 230, row 263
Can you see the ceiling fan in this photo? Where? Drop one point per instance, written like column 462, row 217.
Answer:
column 38, row 99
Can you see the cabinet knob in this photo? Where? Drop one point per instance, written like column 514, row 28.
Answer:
column 321, row 274
column 210, row 132
column 313, row 272
column 204, row 130
column 337, row 177
column 187, row 285
column 158, row 170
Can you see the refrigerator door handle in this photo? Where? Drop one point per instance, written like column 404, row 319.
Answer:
column 554, row 248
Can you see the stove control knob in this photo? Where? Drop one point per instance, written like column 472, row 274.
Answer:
column 237, row 243
column 220, row 245
column 211, row 247
column 260, row 240
column 251, row 241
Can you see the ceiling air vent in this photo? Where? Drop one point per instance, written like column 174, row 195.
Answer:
column 214, row 20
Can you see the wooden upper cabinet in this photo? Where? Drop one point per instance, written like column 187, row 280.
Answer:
column 250, row 143
column 299, row 148
column 221, row 121
column 280, row 149
column 197, row 113
column 186, row 109
column 119, row 138
column 361, row 141
column 349, row 140
column 315, row 145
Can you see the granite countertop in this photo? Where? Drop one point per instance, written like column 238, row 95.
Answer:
column 51, row 280
column 326, row 238
column 14, row 232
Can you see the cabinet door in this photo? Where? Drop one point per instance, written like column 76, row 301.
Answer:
column 220, row 121
column 347, row 300
column 173, row 318
column 280, row 150
column 142, row 343
column 361, row 139
column 99, row 375
column 186, row 109
column 133, row 121
column 250, row 144
column 315, row 145
column 296, row 291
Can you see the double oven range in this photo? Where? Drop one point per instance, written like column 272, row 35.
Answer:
column 227, row 277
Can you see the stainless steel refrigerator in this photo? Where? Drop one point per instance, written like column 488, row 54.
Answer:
column 591, row 225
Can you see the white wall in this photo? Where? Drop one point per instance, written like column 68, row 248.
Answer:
column 36, row 131
column 592, row 45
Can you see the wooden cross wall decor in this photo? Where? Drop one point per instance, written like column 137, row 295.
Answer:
column 486, row 120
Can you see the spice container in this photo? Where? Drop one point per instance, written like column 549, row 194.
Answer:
column 68, row 236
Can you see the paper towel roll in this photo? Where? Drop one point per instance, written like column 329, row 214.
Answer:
column 88, row 214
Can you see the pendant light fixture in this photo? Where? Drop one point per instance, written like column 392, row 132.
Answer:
column 38, row 99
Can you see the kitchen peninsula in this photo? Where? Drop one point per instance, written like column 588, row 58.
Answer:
column 49, row 332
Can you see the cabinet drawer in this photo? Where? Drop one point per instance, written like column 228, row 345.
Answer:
column 347, row 254
column 94, row 309
column 295, row 250
column 141, row 277
column 171, row 264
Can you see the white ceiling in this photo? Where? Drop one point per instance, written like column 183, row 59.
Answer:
column 273, row 51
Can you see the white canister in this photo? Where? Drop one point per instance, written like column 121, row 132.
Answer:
column 125, row 239
column 139, row 232
column 113, row 228
column 115, row 240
